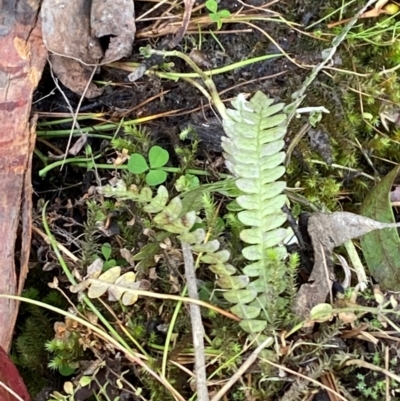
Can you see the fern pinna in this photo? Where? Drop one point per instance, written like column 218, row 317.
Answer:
column 253, row 152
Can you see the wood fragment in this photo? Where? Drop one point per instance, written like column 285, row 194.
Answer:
column 22, row 59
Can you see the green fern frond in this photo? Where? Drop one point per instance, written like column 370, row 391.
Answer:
column 253, row 152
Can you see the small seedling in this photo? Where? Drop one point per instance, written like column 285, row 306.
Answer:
column 106, row 252
column 158, row 158
column 215, row 14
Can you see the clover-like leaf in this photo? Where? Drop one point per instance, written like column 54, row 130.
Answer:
column 158, row 157
column 212, row 6
column 137, row 164
column 156, row 177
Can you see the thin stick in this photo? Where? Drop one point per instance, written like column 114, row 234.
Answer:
column 241, row 371
column 363, row 364
column 304, row 377
column 197, row 326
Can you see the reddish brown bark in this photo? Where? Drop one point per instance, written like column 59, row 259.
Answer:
column 22, row 59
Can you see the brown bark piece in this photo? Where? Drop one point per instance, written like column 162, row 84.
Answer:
column 22, row 59
column 72, row 31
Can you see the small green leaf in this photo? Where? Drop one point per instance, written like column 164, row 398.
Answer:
column 137, row 164
column 197, row 237
column 233, row 282
column 224, row 13
column 321, row 313
column 246, row 311
column 216, row 257
column 106, row 250
column 240, row 296
column 158, row 203
column 253, row 326
column 223, row 269
column 187, row 182
column 156, row 177
column 212, row 5
column 109, row 264
column 158, row 157
column 85, row 381
column 210, row 246
column 66, row 370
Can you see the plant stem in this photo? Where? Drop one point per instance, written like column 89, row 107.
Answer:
column 206, row 79
column 128, row 66
column 87, row 301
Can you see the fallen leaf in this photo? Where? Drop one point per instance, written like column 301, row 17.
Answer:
column 10, row 377
column 74, row 31
column 381, row 248
column 328, row 231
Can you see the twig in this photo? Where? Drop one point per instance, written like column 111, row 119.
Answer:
column 299, row 96
column 304, row 377
column 197, row 326
column 363, row 364
column 240, row 372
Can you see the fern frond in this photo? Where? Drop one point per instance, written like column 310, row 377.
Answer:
column 253, row 152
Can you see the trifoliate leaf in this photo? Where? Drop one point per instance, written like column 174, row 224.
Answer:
column 158, row 157
column 137, row 164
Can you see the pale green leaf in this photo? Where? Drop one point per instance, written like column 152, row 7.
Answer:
column 100, row 286
column 254, row 269
column 269, row 222
column 252, row 235
column 223, row 269
column 216, row 257
column 121, row 285
column 274, row 237
column 196, row 238
column 253, row 252
column 253, row 326
column 271, row 148
column 269, row 162
column 272, row 175
column 250, row 186
column 211, row 246
column 247, row 170
column 158, row 203
column 233, row 282
column 245, row 311
column 273, row 205
column 240, row 296
column 85, row 381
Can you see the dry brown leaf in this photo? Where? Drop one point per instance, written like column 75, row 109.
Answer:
column 74, row 31
column 328, row 231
